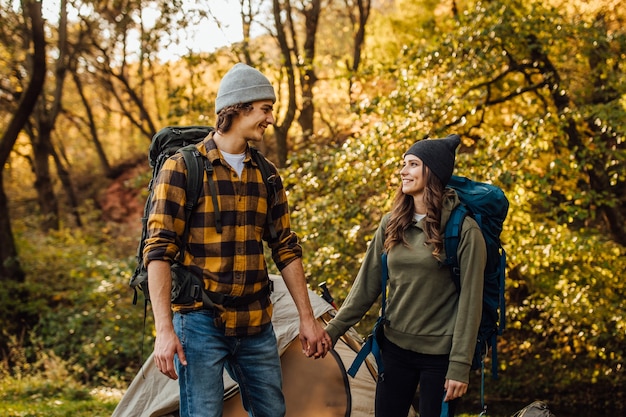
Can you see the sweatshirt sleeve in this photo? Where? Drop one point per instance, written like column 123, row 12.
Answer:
column 365, row 289
column 472, row 255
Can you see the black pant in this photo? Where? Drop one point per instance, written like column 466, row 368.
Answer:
column 404, row 370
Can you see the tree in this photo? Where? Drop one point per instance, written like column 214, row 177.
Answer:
column 308, row 78
column 90, row 121
column 522, row 64
column 10, row 268
column 288, row 69
column 359, row 22
column 44, row 119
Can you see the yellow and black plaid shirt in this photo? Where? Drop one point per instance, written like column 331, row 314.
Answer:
column 232, row 262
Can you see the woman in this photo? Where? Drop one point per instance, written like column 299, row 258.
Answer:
column 431, row 332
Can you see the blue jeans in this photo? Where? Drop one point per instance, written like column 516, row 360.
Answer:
column 253, row 362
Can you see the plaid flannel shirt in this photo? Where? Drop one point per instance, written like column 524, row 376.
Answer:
column 232, row 262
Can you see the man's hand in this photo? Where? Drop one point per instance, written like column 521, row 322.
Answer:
column 165, row 347
column 166, row 344
column 315, row 341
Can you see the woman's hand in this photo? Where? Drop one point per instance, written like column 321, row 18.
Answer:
column 454, row 389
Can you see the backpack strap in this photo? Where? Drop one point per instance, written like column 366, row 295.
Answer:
column 269, row 178
column 208, row 167
column 193, row 160
column 194, row 188
column 372, row 342
column 451, row 239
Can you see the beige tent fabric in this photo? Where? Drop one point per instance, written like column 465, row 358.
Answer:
column 152, row 394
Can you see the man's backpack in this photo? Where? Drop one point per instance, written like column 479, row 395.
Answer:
column 488, row 205
column 165, row 143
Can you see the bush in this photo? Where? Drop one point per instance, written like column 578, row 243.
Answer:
column 51, row 391
column 81, row 304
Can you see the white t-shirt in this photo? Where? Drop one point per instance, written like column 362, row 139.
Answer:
column 417, row 217
column 235, row 161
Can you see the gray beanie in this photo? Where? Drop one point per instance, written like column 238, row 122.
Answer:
column 243, row 84
column 437, row 155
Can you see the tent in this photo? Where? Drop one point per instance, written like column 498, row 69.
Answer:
column 312, row 388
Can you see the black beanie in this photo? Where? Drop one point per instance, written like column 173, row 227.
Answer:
column 437, row 155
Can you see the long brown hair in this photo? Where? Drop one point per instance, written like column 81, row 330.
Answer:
column 403, row 210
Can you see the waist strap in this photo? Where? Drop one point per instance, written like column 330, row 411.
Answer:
column 238, row 301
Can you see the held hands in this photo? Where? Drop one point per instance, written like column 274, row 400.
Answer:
column 165, row 347
column 315, row 341
column 454, row 389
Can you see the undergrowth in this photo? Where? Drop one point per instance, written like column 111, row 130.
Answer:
column 47, row 388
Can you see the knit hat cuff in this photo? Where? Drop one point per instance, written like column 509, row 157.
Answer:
column 246, row 94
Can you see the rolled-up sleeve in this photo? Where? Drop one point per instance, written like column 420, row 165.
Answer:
column 286, row 247
column 166, row 218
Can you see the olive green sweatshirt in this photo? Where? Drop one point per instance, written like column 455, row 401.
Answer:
column 426, row 313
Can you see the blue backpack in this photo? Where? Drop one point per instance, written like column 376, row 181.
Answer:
column 488, row 205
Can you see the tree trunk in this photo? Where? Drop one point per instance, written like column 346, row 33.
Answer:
column 10, row 268
column 308, row 78
column 42, row 140
column 42, row 149
column 595, row 166
column 104, row 162
column 66, row 180
column 247, row 15
column 364, row 7
column 281, row 129
column 144, row 122
column 605, row 93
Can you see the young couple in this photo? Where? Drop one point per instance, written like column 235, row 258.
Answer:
column 430, row 338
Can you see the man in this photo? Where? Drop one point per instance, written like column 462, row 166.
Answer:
column 198, row 342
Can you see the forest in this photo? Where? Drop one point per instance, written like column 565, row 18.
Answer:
column 536, row 90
